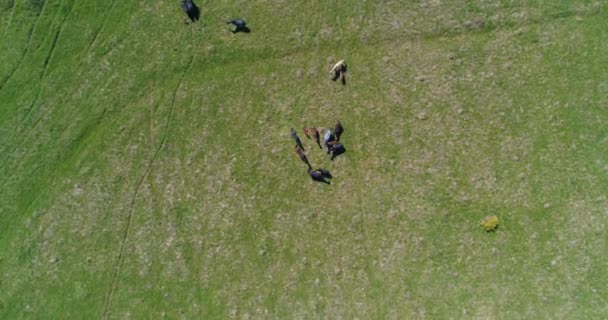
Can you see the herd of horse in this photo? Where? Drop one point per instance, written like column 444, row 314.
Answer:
column 331, row 141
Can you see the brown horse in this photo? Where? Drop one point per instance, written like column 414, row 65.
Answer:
column 302, row 156
column 311, row 131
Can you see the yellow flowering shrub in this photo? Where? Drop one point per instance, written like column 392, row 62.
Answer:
column 490, row 223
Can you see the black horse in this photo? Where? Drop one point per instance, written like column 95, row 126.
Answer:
column 336, row 149
column 191, row 10
column 317, row 176
column 338, row 130
column 240, row 24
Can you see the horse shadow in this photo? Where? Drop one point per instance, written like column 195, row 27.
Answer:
column 243, row 29
column 320, row 179
column 325, row 173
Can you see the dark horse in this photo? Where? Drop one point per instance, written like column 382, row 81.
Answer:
column 317, row 176
column 240, row 24
column 191, row 10
column 338, row 130
column 336, row 149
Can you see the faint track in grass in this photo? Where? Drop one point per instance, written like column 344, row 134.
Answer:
column 20, row 131
column 47, row 60
column 87, row 50
column 90, row 45
column 27, row 48
column 25, row 53
column 96, row 33
column 125, row 236
column 10, row 19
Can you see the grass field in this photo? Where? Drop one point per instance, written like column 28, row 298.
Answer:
column 147, row 170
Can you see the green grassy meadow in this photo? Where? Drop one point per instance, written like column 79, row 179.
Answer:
column 147, row 170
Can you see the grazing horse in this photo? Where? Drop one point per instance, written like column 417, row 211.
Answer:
column 339, row 71
column 240, row 24
column 338, row 130
column 302, row 156
column 328, row 137
column 317, row 176
column 331, row 146
column 295, row 137
column 336, row 149
column 191, row 10
column 325, row 173
column 311, row 131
